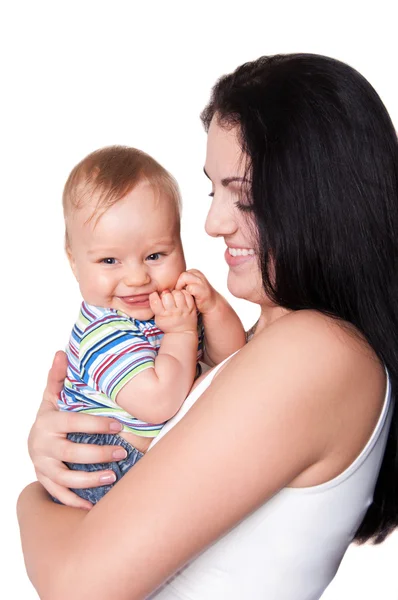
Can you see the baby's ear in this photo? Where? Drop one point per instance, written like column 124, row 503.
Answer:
column 72, row 261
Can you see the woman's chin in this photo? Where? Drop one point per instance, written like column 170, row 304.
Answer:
column 241, row 288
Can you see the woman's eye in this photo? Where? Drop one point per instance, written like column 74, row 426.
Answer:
column 154, row 256
column 244, row 201
column 108, row 261
column 244, row 207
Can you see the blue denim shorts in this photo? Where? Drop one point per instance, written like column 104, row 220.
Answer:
column 120, row 467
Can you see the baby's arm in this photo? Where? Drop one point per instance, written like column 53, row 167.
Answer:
column 156, row 394
column 224, row 332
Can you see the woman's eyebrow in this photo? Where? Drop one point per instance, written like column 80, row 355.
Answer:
column 227, row 180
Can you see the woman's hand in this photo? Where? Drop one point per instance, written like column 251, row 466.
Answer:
column 49, row 446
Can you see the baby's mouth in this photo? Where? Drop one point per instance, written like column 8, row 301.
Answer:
column 139, row 299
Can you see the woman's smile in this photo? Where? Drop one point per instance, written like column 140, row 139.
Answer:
column 235, row 256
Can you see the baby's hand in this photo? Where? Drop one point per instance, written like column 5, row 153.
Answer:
column 175, row 312
column 196, row 284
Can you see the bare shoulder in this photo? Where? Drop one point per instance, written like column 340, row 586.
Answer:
column 310, row 341
column 319, row 372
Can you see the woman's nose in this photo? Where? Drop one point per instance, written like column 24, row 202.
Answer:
column 220, row 219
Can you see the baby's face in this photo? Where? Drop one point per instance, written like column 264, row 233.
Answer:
column 132, row 250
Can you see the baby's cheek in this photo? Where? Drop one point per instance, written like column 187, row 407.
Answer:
column 169, row 278
column 96, row 288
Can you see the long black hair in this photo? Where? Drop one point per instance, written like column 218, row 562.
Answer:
column 323, row 157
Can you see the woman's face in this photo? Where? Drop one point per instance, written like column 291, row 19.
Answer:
column 225, row 167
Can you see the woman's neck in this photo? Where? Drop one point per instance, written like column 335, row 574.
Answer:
column 269, row 314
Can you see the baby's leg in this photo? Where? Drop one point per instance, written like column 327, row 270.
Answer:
column 120, row 468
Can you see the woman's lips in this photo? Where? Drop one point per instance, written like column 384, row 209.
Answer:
column 141, row 301
column 234, row 261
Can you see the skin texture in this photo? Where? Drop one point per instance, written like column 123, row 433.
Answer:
column 311, row 380
column 129, row 258
column 226, row 334
column 115, row 258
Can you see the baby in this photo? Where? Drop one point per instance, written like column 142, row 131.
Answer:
column 145, row 321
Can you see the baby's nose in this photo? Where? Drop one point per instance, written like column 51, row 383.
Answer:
column 136, row 277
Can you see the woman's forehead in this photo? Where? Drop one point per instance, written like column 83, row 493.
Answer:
column 224, row 157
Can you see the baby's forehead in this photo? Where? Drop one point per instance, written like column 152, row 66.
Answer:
column 129, row 225
column 145, row 200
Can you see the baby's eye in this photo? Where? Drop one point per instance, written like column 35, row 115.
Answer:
column 154, row 256
column 108, row 261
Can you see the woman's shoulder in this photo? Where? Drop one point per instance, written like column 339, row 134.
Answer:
column 319, row 381
column 308, row 334
column 307, row 352
column 308, row 327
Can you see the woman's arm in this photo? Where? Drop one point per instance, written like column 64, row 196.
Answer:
column 49, row 447
column 266, row 418
column 44, row 532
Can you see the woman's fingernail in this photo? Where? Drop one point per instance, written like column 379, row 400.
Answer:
column 119, row 453
column 108, row 478
column 115, row 426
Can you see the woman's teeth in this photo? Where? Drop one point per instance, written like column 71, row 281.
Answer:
column 241, row 251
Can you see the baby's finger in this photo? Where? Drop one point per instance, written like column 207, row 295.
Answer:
column 184, row 279
column 189, row 299
column 179, row 298
column 181, row 281
column 155, row 303
column 194, row 289
column 168, row 300
column 196, row 273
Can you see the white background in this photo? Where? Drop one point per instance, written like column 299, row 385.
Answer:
column 76, row 76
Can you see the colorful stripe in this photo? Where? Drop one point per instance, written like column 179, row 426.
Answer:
column 106, row 350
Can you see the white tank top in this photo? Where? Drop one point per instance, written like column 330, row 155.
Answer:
column 291, row 547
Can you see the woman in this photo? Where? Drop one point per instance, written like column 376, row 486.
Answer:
column 270, row 475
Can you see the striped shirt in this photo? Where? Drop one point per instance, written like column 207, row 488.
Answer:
column 106, row 350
